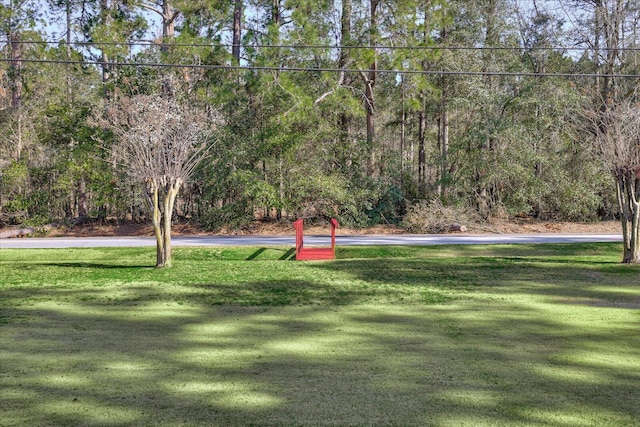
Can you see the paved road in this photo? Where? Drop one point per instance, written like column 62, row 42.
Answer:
column 396, row 239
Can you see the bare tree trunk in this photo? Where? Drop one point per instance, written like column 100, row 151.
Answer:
column 276, row 15
column 422, row 161
column 443, row 137
column 68, row 30
column 345, row 40
column 628, row 191
column 403, row 130
column 280, row 187
column 370, row 81
column 156, row 218
column 82, row 182
column 162, row 199
column 634, row 241
column 596, row 44
column 487, row 147
column 371, row 124
column 237, row 31
column 19, row 139
column 15, row 73
column 105, row 5
column 169, row 201
column 345, row 30
column 82, row 197
column 16, row 70
column 169, row 16
column 443, row 126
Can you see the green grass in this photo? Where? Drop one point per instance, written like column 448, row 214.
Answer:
column 520, row 335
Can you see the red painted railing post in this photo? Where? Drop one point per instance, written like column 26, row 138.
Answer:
column 334, row 224
column 299, row 224
column 314, row 253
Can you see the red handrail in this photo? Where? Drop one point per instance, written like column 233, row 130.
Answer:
column 303, row 253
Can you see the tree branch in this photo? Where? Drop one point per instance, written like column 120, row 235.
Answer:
column 151, row 8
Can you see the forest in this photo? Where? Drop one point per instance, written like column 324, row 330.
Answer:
column 370, row 111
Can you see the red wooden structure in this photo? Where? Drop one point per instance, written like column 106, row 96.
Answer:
column 303, row 253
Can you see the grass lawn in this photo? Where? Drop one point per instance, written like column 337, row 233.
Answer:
column 525, row 335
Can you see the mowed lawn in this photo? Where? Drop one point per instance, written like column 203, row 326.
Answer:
column 522, row 335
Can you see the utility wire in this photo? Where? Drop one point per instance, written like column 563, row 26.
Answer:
column 319, row 69
column 321, row 46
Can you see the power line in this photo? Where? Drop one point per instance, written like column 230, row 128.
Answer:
column 321, row 46
column 328, row 69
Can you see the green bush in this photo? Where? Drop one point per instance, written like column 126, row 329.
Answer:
column 231, row 216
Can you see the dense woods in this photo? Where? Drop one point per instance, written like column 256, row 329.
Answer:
column 362, row 110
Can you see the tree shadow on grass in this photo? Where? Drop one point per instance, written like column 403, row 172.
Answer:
column 352, row 365
column 602, row 281
column 92, row 265
column 319, row 352
column 287, row 254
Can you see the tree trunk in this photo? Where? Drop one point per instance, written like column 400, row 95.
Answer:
column 596, row 44
column 345, row 30
column 443, row 138
column 162, row 202
column 107, row 21
column 68, row 35
column 403, row 131
column 422, row 158
column 628, row 191
column 370, row 81
column 443, row 126
column 345, row 40
column 16, row 70
column 237, row 31
column 487, row 153
column 15, row 74
column 82, row 197
column 168, row 20
column 281, row 194
column 276, row 15
column 371, row 124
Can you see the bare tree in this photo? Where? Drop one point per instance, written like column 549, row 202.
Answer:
column 159, row 141
column 617, row 135
column 614, row 114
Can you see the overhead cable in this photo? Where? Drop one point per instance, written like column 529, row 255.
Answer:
column 322, row 46
column 318, row 69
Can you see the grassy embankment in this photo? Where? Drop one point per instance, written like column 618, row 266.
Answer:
column 457, row 335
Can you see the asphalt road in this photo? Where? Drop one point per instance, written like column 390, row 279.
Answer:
column 395, row 239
